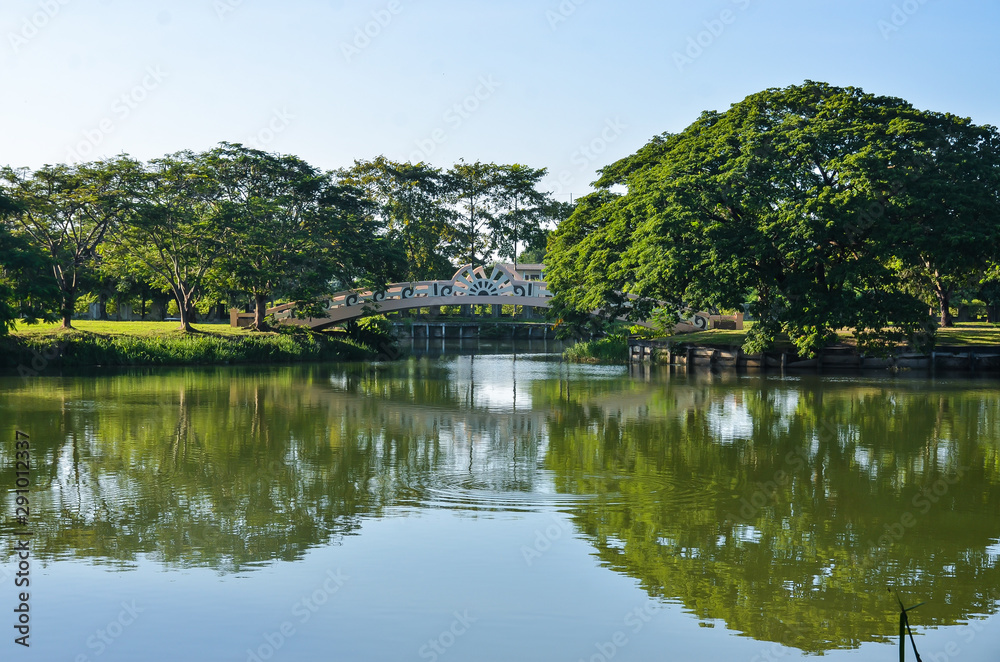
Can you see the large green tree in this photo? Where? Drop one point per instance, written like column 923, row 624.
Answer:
column 408, row 200
column 67, row 212
column 474, row 189
column 801, row 202
column 26, row 289
column 943, row 203
column 521, row 209
column 294, row 231
column 176, row 232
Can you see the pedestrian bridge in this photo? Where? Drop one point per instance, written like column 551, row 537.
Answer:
column 502, row 286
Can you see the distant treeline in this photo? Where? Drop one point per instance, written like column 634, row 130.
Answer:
column 233, row 225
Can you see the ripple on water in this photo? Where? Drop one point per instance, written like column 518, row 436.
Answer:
column 457, row 491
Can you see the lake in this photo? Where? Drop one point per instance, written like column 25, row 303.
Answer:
column 502, row 507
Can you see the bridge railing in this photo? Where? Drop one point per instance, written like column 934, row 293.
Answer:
column 467, row 282
column 468, row 286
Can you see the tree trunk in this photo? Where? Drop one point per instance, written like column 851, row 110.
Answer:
column 943, row 297
column 66, row 310
column 102, row 306
column 184, row 310
column 259, row 311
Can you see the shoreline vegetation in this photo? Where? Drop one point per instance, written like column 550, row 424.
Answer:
column 613, row 349
column 33, row 349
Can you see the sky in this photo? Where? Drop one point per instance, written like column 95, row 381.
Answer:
column 567, row 85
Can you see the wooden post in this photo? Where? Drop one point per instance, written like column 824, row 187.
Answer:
column 689, row 361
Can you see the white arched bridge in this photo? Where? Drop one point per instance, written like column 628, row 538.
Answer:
column 503, row 286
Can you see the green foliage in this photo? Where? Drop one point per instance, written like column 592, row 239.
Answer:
column 27, row 289
column 86, row 349
column 233, row 223
column 408, row 201
column 293, row 230
column 613, row 349
column 740, row 524
column 66, row 212
column 376, row 332
column 174, row 232
column 796, row 201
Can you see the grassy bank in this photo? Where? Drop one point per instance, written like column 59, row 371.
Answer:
column 613, row 349
column 33, row 349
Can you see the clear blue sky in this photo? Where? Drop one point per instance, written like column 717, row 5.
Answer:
column 528, row 81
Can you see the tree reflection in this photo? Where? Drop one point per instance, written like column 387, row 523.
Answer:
column 786, row 510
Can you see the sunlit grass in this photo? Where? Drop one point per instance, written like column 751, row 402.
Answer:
column 110, row 328
column 970, row 333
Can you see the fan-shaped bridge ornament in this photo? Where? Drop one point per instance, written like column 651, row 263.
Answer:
column 474, row 282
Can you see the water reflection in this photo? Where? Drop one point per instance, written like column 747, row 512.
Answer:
column 784, row 508
column 787, row 509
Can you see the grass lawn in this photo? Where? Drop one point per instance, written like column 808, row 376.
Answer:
column 970, row 333
column 138, row 329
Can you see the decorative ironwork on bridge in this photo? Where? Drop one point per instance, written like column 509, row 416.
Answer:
column 469, row 286
column 503, row 286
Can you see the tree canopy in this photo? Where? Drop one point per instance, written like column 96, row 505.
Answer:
column 233, row 224
column 807, row 205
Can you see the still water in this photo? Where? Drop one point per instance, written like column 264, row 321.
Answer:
column 502, row 508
